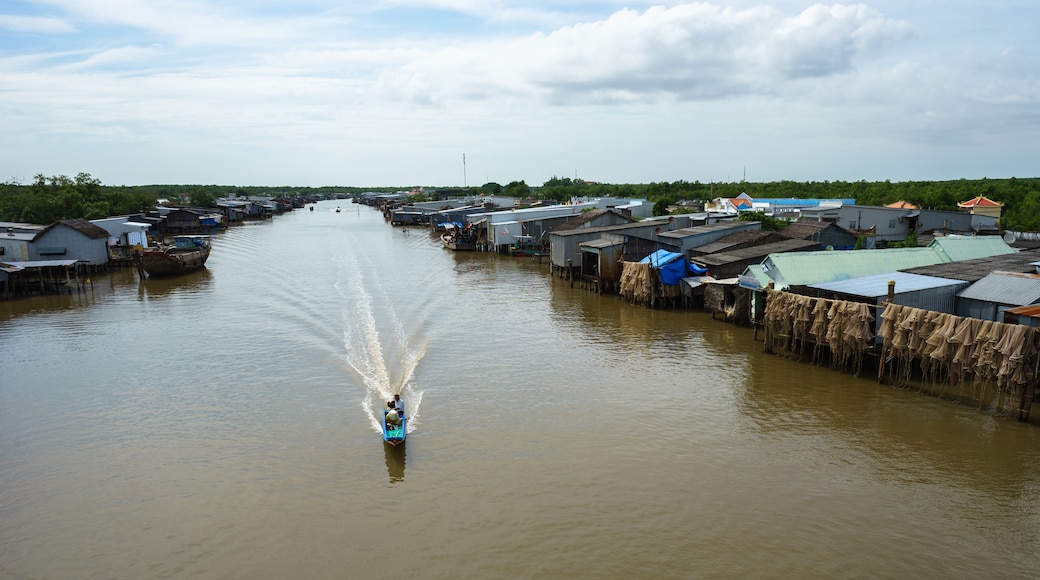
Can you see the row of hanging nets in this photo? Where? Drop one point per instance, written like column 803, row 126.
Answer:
column 936, row 348
column 968, row 352
column 827, row 330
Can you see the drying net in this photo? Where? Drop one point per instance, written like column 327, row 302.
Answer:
column 797, row 324
column 973, row 354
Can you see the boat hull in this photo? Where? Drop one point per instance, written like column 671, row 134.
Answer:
column 174, row 261
column 453, row 243
column 392, row 435
column 188, row 253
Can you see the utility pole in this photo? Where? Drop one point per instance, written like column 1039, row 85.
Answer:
column 464, row 182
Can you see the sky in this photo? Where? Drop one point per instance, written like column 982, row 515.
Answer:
column 464, row 92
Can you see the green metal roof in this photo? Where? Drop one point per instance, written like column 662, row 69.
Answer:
column 803, row 268
column 958, row 248
column 754, row 277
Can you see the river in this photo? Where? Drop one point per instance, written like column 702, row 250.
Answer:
column 223, row 425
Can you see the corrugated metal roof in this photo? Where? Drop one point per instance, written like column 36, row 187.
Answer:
column 726, row 242
column 979, row 268
column 754, row 276
column 42, row 263
column 711, row 228
column 876, row 286
column 600, row 243
column 804, row 268
column 971, row 247
column 752, row 252
column 1005, row 288
column 695, row 281
column 1033, row 310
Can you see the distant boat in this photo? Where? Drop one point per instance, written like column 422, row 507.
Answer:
column 186, row 254
column 393, row 432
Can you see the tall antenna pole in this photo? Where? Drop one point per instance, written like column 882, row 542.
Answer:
column 464, row 182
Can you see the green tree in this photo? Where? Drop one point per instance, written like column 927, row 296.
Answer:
column 661, row 207
column 517, row 189
column 768, row 222
column 199, row 197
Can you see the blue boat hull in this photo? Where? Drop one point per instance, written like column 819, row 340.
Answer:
column 394, row 435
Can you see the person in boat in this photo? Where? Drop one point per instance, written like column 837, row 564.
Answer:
column 393, row 417
column 399, row 405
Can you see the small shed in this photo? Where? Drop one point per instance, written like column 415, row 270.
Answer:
column 123, row 231
column 828, row 234
column 15, row 241
column 76, row 239
column 685, row 239
column 656, row 279
column 991, row 296
column 915, row 290
column 565, row 243
column 924, row 292
column 601, row 262
column 183, row 220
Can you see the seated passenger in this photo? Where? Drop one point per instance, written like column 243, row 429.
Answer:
column 393, row 418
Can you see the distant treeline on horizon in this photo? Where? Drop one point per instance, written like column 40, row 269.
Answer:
column 49, row 199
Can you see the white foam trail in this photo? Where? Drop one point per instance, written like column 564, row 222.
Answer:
column 364, row 347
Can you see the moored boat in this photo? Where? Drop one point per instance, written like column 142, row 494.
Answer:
column 459, row 237
column 393, row 431
column 186, row 254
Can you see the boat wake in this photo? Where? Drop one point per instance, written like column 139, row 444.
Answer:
column 378, row 348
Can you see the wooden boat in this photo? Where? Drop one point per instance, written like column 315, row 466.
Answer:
column 459, row 237
column 186, row 254
column 526, row 246
column 393, row 434
column 458, row 243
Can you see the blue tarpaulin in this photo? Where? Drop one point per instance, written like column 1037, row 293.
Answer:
column 673, row 267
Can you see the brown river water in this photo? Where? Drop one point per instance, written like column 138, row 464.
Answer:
column 223, row 425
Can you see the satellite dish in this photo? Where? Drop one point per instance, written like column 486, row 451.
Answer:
column 1009, row 237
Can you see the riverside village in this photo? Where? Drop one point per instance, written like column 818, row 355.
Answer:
column 943, row 302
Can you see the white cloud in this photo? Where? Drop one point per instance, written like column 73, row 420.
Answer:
column 617, row 96
column 196, row 23
column 690, row 51
column 35, row 24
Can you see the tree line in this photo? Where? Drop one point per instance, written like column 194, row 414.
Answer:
column 48, row 199
column 1020, row 196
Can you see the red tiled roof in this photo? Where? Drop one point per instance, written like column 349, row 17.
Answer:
column 902, row 205
column 979, row 201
